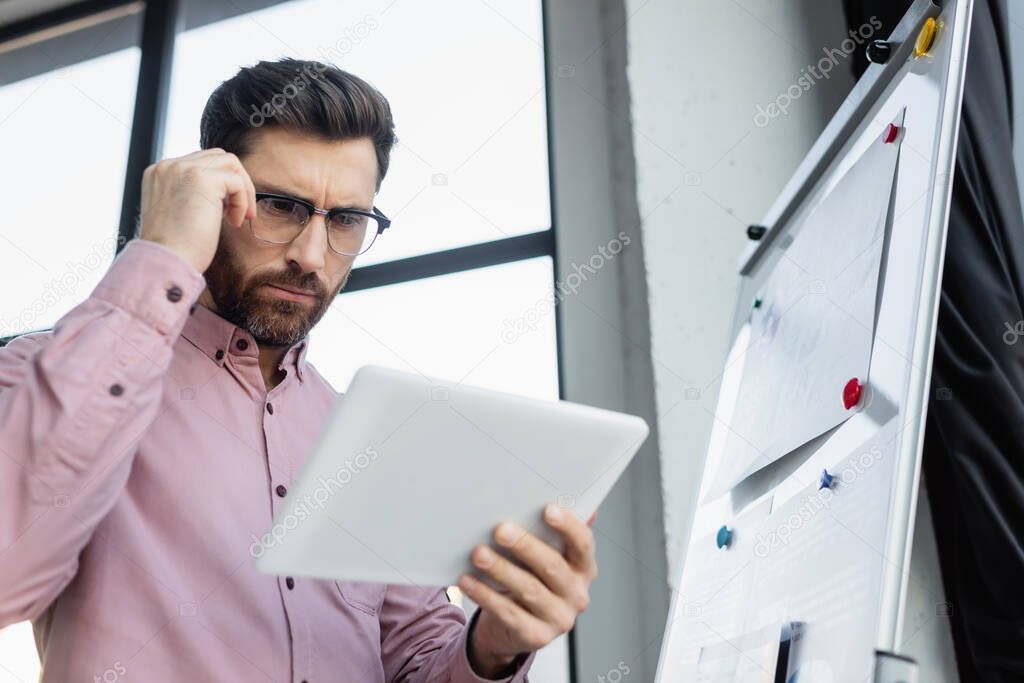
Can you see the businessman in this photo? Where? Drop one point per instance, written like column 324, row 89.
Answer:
column 155, row 431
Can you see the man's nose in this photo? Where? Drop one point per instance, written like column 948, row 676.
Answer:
column 308, row 250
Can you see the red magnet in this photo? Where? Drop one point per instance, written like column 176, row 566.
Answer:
column 851, row 393
column 891, row 133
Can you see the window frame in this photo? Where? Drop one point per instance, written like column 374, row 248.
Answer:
column 162, row 20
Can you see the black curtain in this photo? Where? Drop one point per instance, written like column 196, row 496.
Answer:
column 973, row 462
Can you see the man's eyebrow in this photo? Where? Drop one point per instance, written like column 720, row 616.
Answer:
column 277, row 189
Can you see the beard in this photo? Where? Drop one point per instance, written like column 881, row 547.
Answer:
column 270, row 320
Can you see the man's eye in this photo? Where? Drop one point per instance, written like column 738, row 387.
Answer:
column 278, row 206
column 348, row 220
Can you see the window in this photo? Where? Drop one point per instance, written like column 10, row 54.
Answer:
column 487, row 327
column 65, row 139
column 18, row 660
column 471, row 162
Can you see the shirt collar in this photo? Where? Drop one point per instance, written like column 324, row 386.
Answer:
column 217, row 337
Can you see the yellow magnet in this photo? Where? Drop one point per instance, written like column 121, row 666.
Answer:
column 926, row 38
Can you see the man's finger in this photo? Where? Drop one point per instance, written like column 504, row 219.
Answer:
column 579, row 539
column 523, row 587
column 513, row 616
column 545, row 562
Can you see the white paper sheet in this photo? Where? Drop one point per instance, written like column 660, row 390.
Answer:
column 814, row 329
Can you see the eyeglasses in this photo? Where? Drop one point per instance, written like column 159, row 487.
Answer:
column 350, row 232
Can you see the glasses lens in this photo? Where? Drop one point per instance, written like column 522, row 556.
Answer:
column 279, row 220
column 352, row 233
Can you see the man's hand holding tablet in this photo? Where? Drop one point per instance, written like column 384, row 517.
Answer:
column 543, row 595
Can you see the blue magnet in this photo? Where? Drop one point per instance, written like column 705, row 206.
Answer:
column 827, row 481
column 724, row 537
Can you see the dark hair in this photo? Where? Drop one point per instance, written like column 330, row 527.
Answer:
column 303, row 96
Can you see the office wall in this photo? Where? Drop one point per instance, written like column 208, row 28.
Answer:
column 603, row 318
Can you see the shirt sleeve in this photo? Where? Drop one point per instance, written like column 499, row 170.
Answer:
column 74, row 403
column 424, row 639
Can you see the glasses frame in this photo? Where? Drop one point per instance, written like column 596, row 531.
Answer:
column 383, row 222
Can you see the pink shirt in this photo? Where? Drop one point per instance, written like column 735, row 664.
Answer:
column 141, row 454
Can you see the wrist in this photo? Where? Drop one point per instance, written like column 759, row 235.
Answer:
column 178, row 251
column 484, row 662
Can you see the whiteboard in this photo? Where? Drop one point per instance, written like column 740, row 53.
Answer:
column 829, row 565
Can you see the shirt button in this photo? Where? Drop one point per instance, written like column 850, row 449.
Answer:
column 241, row 345
column 116, row 389
column 174, row 293
column 220, row 354
column 281, row 490
column 270, row 408
column 290, row 582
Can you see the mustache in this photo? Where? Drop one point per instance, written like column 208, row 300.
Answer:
column 313, row 285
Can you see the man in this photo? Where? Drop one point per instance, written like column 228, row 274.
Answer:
column 155, row 431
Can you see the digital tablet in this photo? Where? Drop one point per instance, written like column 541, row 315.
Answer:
column 410, row 472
